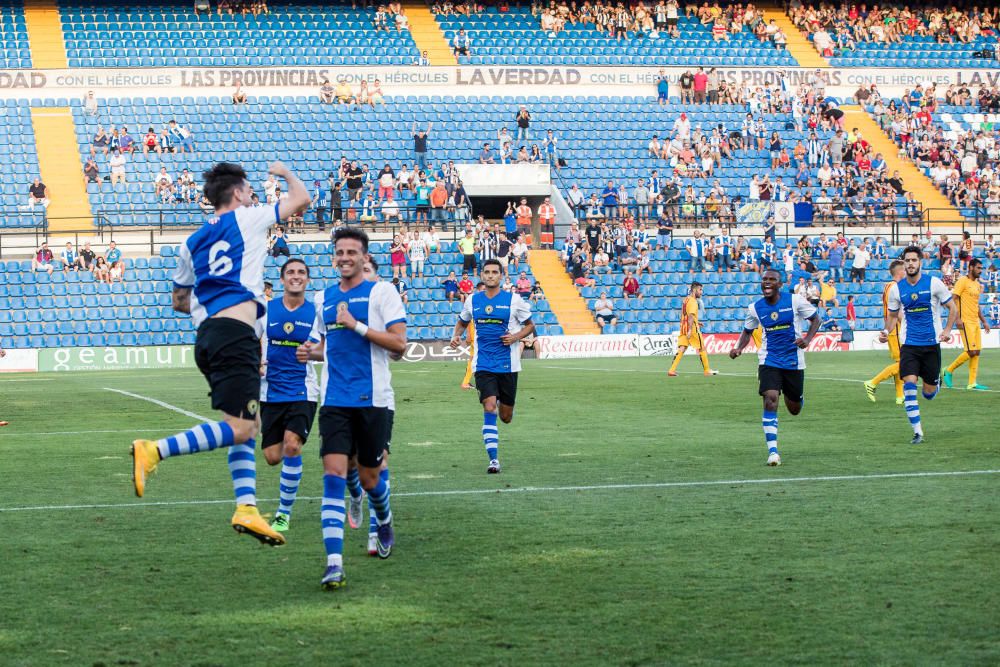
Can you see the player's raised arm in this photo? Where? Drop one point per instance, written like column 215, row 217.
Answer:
column 298, row 195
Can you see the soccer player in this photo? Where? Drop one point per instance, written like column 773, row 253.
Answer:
column 355, row 508
column 219, row 281
column 892, row 370
column 502, row 320
column 967, row 291
column 691, row 331
column 359, row 323
column 920, row 297
column 782, row 359
column 288, row 391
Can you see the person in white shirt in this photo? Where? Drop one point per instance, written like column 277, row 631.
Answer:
column 418, row 254
column 270, row 187
column 861, row 258
column 117, row 164
column 432, row 242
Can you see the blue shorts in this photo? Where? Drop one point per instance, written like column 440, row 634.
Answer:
column 662, row 96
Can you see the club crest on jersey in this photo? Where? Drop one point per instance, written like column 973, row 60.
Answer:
column 288, row 327
column 774, row 315
column 342, row 307
column 913, row 297
column 489, row 310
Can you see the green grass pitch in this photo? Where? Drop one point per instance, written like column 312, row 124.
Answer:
column 625, row 528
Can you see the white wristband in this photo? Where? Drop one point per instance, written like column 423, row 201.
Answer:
column 361, row 328
column 885, row 332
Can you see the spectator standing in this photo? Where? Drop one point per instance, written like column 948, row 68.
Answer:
column 523, row 120
column 418, row 255
column 420, row 145
column 397, row 256
column 547, row 215
column 662, row 89
column 467, row 247
column 438, row 201
column 319, row 201
column 836, row 258
column 524, row 214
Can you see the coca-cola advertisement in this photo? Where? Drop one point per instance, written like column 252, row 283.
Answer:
column 724, row 343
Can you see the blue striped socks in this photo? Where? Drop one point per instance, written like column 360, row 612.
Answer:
column 379, row 498
column 202, row 438
column 288, row 486
column 332, row 515
column 243, row 468
column 372, row 522
column 912, row 407
column 491, row 437
column 770, row 423
column 354, row 483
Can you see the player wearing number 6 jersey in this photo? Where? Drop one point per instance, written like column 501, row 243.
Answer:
column 220, row 281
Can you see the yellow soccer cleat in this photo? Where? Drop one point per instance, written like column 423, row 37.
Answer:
column 145, row 457
column 247, row 520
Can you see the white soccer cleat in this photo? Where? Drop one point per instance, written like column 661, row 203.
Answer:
column 773, row 459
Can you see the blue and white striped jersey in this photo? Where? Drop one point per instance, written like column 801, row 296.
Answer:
column 782, row 323
column 922, row 304
column 505, row 313
column 356, row 373
column 223, row 262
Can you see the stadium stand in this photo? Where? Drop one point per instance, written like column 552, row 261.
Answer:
column 665, row 285
column 123, row 34
column 515, row 37
column 856, row 36
column 16, row 52
column 18, row 164
column 461, row 125
column 68, row 309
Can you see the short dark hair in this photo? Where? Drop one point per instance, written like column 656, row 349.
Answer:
column 374, row 262
column 975, row 262
column 221, row 180
column 894, row 264
column 911, row 248
column 294, row 260
column 695, row 284
column 267, row 284
column 351, row 233
column 493, row 262
column 774, row 271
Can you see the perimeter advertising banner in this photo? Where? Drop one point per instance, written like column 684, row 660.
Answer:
column 115, row 358
column 142, row 80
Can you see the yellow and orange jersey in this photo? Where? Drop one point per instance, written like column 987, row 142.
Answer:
column 689, row 315
column 968, row 290
column 885, row 307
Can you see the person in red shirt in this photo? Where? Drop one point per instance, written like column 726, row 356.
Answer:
column 465, row 285
column 149, row 142
column 852, row 316
column 700, row 86
column 864, row 163
column 630, row 286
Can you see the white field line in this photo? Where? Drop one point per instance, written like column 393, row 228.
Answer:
column 547, row 489
column 721, row 373
column 160, row 403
